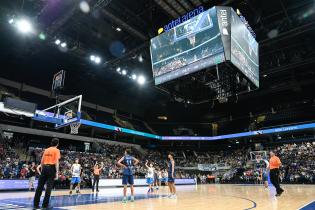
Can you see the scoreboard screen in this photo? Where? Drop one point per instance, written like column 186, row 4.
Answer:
column 217, row 35
column 244, row 49
column 189, row 47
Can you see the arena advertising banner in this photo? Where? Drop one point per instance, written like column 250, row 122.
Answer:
column 224, row 21
column 212, row 167
column 15, row 184
column 21, row 184
column 139, row 182
column 186, row 48
column 244, row 49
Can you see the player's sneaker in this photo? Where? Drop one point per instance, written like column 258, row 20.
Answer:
column 124, row 200
column 70, row 193
column 78, row 191
column 132, row 198
column 173, row 197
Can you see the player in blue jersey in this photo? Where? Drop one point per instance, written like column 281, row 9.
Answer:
column 264, row 171
column 127, row 162
column 171, row 175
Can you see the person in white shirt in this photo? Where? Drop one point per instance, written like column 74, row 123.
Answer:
column 150, row 176
column 165, row 177
column 160, row 177
column 76, row 175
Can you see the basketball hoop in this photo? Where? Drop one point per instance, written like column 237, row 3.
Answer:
column 75, row 127
column 258, row 158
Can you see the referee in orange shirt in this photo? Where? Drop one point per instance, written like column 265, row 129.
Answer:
column 274, row 165
column 49, row 171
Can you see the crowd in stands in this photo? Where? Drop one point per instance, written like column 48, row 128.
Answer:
column 298, row 163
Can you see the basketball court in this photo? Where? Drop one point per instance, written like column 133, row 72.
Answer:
column 231, row 197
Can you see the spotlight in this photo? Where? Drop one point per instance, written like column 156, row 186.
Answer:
column 134, row 77
column 97, row 60
column 118, row 29
column 63, row 44
column 24, row 26
column 85, row 7
column 42, row 36
column 57, row 42
column 11, row 21
column 118, row 69
column 141, row 80
column 124, row 72
column 92, row 57
column 140, row 58
column 238, row 12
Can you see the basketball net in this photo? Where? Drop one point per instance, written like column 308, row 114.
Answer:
column 73, row 126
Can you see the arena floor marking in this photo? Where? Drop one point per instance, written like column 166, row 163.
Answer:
column 253, row 202
column 70, row 200
column 309, row 206
column 202, row 197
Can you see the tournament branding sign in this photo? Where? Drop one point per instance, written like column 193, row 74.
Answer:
column 224, row 16
column 183, row 18
column 212, row 167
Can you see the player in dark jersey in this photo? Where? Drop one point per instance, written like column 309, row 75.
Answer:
column 127, row 162
column 171, row 176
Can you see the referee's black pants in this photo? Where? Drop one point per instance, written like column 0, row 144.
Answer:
column 95, row 182
column 274, row 178
column 47, row 177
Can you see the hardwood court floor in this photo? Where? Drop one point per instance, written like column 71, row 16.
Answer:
column 201, row 197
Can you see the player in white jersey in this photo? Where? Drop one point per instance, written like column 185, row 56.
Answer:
column 76, row 175
column 165, row 177
column 150, row 176
column 160, row 177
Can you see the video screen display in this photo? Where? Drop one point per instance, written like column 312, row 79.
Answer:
column 244, row 49
column 189, row 47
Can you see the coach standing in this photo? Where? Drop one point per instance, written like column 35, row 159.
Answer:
column 49, row 171
column 274, row 165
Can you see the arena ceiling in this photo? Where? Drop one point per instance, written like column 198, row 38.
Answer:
column 284, row 28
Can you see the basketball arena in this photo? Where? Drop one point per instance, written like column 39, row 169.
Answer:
column 157, row 104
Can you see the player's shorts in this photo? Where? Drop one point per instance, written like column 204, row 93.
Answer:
column 264, row 177
column 150, row 180
column 127, row 179
column 75, row 180
column 163, row 179
column 170, row 178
